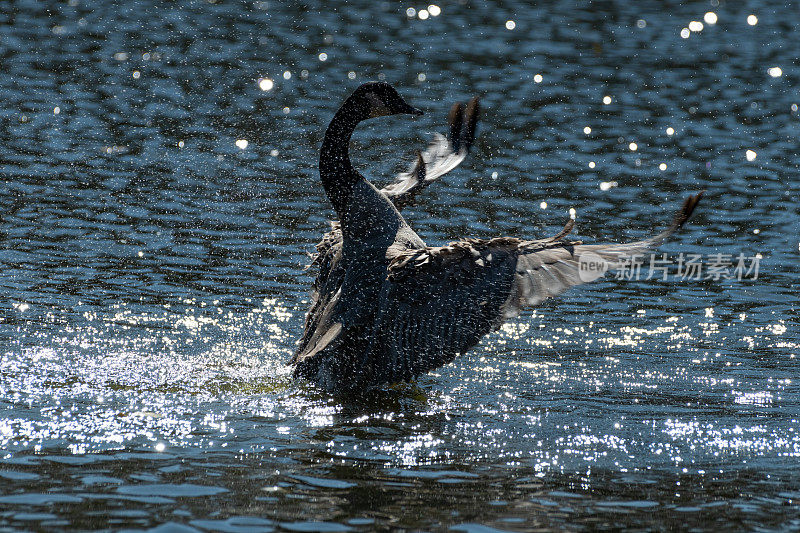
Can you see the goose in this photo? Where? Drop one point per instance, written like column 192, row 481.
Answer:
column 386, row 308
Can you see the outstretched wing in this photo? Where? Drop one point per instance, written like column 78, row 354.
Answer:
column 439, row 302
column 548, row 272
column 443, row 155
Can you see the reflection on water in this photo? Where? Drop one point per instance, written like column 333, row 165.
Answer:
column 160, row 197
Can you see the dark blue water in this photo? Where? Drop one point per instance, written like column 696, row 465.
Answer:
column 152, row 277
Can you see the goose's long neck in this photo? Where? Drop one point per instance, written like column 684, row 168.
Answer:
column 335, row 169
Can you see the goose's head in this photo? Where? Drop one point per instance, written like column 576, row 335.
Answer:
column 379, row 99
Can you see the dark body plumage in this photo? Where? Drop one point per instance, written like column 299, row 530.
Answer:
column 386, row 307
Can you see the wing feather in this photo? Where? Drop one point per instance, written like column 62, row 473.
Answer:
column 443, row 300
column 442, row 155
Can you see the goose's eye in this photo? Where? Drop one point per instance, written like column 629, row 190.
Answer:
column 377, row 108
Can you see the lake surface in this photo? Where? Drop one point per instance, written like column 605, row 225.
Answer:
column 152, row 280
